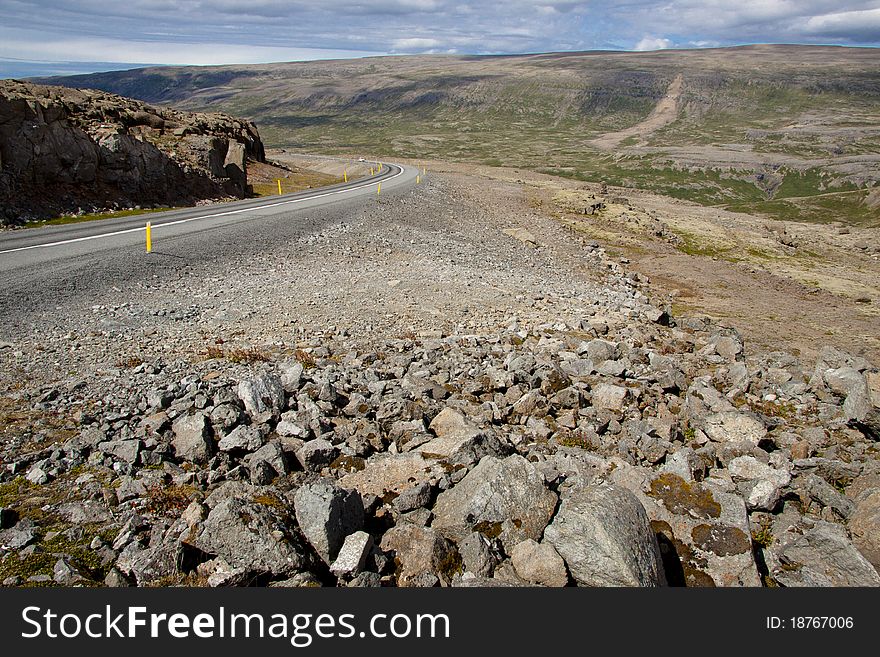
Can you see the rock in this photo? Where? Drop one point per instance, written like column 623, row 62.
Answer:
column 316, row 453
column 37, row 475
column 734, row 426
column 235, row 165
column 702, row 527
column 414, row 497
column 124, row 450
column 603, row 534
column 251, row 536
column 759, row 483
column 385, row 475
column 728, row 347
column 352, row 554
column 458, row 441
column 263, row 397
column 272, row 455
column 811, row 486
column 824, row 556
column 609, row 396
column 83, row 513
column 327, row 514
column 503, row 498
column 864, row 525
column 116, row 579
column 539, row 563
column 166, row 556
column 247, row 438
column 66, row 573
column 101, row 149
column 598, row 351
column 191, row 441
column 423, row 556
column 291, row 375
column 476, row 556
column 18, row 537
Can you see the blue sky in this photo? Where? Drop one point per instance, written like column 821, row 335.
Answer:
column 68, row 36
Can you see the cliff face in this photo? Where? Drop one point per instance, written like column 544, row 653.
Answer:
column 65, row 149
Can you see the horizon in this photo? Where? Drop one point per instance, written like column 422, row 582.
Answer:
column 49, row 69
column 68, row 37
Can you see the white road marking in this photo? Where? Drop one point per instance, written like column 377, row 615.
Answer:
column 206, row 216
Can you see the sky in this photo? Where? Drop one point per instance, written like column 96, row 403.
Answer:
column 48, row 37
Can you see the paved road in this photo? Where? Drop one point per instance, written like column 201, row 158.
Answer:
column 44, row 270
column 36, row 246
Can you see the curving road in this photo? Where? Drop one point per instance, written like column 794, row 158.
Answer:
column 51, row 269
column 38, row 246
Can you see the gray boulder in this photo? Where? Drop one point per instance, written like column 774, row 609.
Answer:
column 459, row 441
column 605, row 537
column 191, row 441
column 242, row 439
column 503, row 498
column 864, row 525
column 824, row 556
column 251, row 536
column 327, row 514
column 263, row 397
column 316, row 453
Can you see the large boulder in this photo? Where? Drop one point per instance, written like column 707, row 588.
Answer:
column 252, row 536
column 263, row 397
column 823, row 556
column 459, row 441
column 191, row 438
column 864, row 525
column 702, row 527
column 423, row 557
column 500, row 498
column 604, row 535
column 327, row 514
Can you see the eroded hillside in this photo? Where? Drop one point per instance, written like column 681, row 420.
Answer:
column 64, row 150
column 789, row 131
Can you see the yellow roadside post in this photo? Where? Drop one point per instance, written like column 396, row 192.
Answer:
column 380, row 167
column 345, row 176
column 378, row 189
column 418, row 179
column 372, row 172
column 149, row 238
column 279, row 187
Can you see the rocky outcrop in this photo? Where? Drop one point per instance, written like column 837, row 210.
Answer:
column 618, row 446
column 64, row 150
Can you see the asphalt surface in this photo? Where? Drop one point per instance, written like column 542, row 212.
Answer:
column 41, row 269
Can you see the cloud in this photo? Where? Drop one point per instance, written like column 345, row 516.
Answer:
column 863, row 24
column 198, row 31
column 652, row 43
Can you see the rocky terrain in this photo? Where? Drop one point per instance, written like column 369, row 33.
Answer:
column 788, row 131
column 445, row 387
column 70, row 150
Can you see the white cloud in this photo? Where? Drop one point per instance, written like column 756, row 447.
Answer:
column 415, row 43
column 20, row 45
column 197, row 31
column 865, row 22
column 652, row 43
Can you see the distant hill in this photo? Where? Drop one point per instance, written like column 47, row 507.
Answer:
column 769, row 128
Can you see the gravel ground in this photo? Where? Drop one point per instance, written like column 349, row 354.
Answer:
column 428, row 261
